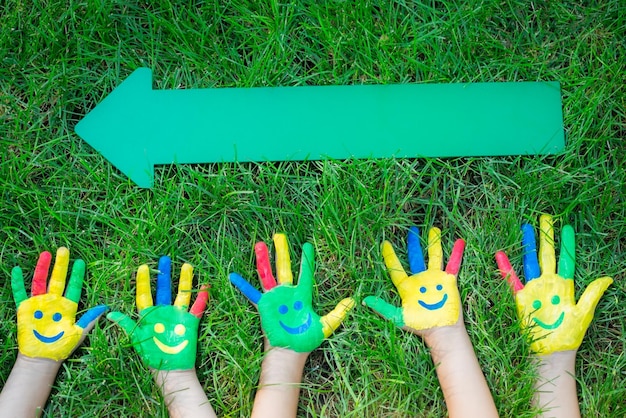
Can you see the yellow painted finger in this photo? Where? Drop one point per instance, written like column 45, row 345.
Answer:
column 59, row 272
column 144, row 297
column 184, row 286
column 591, row 296
column 435, row 253
column 394, row 267
column 547, row 259
column 335, row 317
column 283, row 262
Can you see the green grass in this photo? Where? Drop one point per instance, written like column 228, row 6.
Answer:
column 58, row 59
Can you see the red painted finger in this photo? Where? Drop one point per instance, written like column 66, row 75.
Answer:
column 41, row 273
column 263, row 266
column 198, row 307
column 454, row 263
column 507, row 272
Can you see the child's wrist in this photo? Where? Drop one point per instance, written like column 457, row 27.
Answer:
column 446, row 338
column 172, row 381
column 37, row 365
column 281, row 365
column 557, row 361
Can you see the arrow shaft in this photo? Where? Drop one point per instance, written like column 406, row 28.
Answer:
column 136, row 127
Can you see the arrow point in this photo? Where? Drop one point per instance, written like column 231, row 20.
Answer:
column 113, row 128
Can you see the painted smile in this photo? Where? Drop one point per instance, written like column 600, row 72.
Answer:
column 169, row 349
column 555, row 324
column 299, row 329
column 434, row 306
column 48, row 340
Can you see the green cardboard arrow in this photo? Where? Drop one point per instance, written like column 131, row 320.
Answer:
column 136, row 127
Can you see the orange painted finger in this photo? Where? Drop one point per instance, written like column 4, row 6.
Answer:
column 454, row 263
column 507, row 272
column 263, row 267
column 201, row 301
column 41, row 274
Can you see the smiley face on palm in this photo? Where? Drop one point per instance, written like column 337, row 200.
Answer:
column 287, row 315
column 166, row 335
column 430, row 297
column 46, row 324
column 547, row 306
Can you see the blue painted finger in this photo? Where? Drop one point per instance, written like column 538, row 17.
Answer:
column 246, row 288
column 414, row 248
column 164, row 282
column 91, row 315
column 530, row 260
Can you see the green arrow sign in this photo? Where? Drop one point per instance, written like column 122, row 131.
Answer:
column 136, row 127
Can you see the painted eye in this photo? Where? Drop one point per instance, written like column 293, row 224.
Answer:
column 179, row 329
column 555, row 300
column 283, row 309
column 57, row 317
column 537, row 304
column 38, row 314
column 422, row 289
column 159, row 328
column 297, row 305
column 439, row 287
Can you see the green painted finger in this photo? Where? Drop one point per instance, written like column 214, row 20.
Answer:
column 75, row 285
column 384, row 309
column 124, row 321
column 17, row 285
column 592, row 294
column 567, row 258
column 307, row 268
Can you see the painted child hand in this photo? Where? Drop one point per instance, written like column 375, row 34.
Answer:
column 430, row 297
column 546, row 305
column 287, row 315
column 166, row 336
column 46, row 326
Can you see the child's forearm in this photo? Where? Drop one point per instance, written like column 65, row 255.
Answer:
column 555, row 389
column 464, row 387
column 183, row 394
column 27, row 389
column 279, row 385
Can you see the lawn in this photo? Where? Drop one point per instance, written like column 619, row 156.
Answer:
column 58, row 59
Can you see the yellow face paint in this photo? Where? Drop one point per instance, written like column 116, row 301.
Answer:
column 46, row 327
column 547, row 309
column 546, row 305
column 430, row 299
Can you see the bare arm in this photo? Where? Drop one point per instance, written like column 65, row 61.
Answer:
column 27, row 389
column 279, row 385
column 464, row 387
column 183, row 394
column 555, row 389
